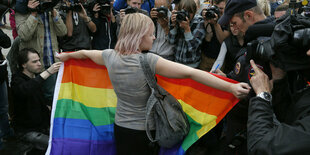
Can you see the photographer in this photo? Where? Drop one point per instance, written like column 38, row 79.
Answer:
column 145, row 4
column 279, row 115
column 133, row 7
column 215, row 34
column 104, row 18
column 268, row 132
column 39, row 29
column 161, row 16
column 79, row 26
column 186, row 33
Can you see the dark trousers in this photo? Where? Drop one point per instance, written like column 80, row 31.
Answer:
column 133, row 142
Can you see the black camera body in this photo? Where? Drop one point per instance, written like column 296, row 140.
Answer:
column 181, row 16
column 162, row 12
column 301, row 38
column 211, row 11
column 75, row 6
column 43, row 7
column 105, row 6
column 130, row 10
column 261, row 49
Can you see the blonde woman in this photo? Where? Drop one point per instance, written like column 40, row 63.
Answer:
column 137, row 35
column 265, row 6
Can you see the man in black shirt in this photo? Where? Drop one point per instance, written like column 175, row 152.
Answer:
column 31, row 114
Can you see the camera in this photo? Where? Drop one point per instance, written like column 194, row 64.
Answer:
column 289, row 55
column 211, row 11
column 260, row 49
column 75, row 6
column 43, row 7
column 105, row 6
column 130, row 10
column 181, row 15
column 162, row 12
column 301, row 38
column 176, row 1
column 5, row 5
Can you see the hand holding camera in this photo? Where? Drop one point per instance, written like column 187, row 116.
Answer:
column 211, row 14
column 103, row 8
column 161, row 14
column 32, row 5
column 96, row 9
column 83, row 13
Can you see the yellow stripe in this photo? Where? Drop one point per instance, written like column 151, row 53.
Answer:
column 90, row 97
column 206, row 120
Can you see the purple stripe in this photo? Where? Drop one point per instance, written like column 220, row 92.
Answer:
column 82, row 147
column 176, row 150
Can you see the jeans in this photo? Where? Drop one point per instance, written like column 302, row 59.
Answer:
column 4, row 120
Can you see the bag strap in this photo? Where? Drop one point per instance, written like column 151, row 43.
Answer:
column 153, row 85
column 147, row 72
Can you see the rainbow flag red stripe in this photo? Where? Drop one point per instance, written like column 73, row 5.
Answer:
column 85, row 103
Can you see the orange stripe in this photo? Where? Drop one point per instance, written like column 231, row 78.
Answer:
column 196, row 85
column 201, row 101
column 87, row 76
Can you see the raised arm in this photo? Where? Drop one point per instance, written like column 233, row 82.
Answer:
column 175, row 70
column 94, row 55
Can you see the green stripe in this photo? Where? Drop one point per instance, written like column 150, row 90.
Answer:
column 192, row 137
column 67, row 108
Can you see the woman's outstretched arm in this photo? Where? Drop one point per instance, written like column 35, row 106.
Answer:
column 175, row 70
column 94, row 55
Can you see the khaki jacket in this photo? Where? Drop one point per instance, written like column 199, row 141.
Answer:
column 31, row 32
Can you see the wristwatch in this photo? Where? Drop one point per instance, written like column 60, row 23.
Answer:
column 265, row 96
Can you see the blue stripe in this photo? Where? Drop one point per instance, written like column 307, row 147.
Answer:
column 83, row 129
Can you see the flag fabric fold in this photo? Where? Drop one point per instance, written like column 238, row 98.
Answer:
column 84, row 107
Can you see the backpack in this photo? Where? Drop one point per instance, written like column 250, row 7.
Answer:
column 170, row 120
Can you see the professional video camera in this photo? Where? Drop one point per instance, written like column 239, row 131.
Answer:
column 211, row 11
column 5, row 5
column 181, row 16
column 105, row 6
column 288, row 44
column 162, row 12
column 75, row 6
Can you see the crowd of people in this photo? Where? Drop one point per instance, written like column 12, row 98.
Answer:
column 181, row 39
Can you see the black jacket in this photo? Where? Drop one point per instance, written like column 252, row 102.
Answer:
column 30, row 110
column 105, row 37
column 290, row 135
column 5, row 42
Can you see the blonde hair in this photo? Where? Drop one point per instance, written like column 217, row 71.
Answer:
column 265, row 6
column 134, row 27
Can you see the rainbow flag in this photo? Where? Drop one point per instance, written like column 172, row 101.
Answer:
column 84, row 107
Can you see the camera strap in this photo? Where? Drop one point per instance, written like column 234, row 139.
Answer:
column 75, row 18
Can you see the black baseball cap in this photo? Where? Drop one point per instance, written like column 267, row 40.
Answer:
column 235, row 6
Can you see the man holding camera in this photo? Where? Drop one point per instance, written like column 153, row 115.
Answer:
column 78, row 24
column 161, row 16
column 268, row 131
column 186, row 33
column 145, row 4
column 39, row 29
column 215, row 34
column 105, row 36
